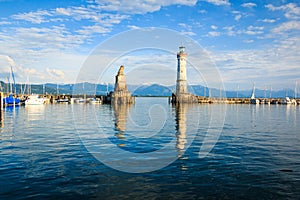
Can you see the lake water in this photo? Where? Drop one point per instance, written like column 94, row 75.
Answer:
column 150, row 150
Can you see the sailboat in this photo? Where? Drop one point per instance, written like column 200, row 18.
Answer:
column 11, row 100
column 253, row 100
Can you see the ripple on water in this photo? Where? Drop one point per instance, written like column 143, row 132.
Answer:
column 42, row 154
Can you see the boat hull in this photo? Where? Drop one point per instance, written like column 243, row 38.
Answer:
column 11, row 101
column 34, row 100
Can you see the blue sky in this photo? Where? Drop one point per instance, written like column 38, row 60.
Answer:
column 248, row 41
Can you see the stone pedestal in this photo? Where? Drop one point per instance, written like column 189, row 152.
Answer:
column 121, row 95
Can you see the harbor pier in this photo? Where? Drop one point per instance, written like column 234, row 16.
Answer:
column 283, row 101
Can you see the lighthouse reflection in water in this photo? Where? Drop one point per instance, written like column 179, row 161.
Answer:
column 150, row 127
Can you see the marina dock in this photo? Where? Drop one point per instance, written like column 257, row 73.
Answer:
column 84, row 98
column 246, row 100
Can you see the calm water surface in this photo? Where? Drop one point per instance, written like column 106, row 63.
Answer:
column 52, row 151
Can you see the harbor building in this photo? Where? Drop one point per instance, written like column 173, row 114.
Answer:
column 182, row 95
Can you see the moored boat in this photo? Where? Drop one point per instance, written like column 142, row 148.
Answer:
column 95, row 101
column 34, row 99
column 288, row 101
column 11, row 101
column 79, row 100
column 63, row 100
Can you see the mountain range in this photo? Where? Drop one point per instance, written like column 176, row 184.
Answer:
column 139, row 90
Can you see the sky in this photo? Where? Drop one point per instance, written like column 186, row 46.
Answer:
column 243, row 42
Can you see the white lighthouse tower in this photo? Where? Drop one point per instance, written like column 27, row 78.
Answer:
column 182, row 95
column 181, row 85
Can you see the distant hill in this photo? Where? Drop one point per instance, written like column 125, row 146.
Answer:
column 139, row 90
column 152, row 90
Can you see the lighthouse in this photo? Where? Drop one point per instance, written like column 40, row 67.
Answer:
column 181, row 85
column 182, row 95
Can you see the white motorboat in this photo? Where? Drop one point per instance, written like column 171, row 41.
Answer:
column 34, row 99
column 288, row 101
column 95, row 101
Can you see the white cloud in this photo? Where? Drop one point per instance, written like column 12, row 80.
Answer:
column 214, row 33
column 38, row 47
column 59, row 37
column 88, row 30
column 189, row 33
column 20, row 72
column 255, row 28
column 142, row 67
column 90, row 13
column 34, row 49
column 187, row 29
column 30, row 72
column 63, row 11
column 133, row 27
column 54, row 37
column 5, row 23
column 55, row 74
column 230, row 30
column 249, row 5
column 184, row 25
column 238, row 17
column 140, row 7
column 268, row 20
column 292, row 11
column 219, row 2
column 213, row 27
column 277, row 66
column 10, row 61
column 287, row 26
column 248, row 41
column 5, row 63
column 251, row 32
column 33, row 17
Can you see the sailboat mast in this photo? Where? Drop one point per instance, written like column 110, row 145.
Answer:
column 295, row 92
column 10, row 86
column 13, row 77
column 106, row 88
column 253, row 92
column 7, row 85
column 57, row 88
